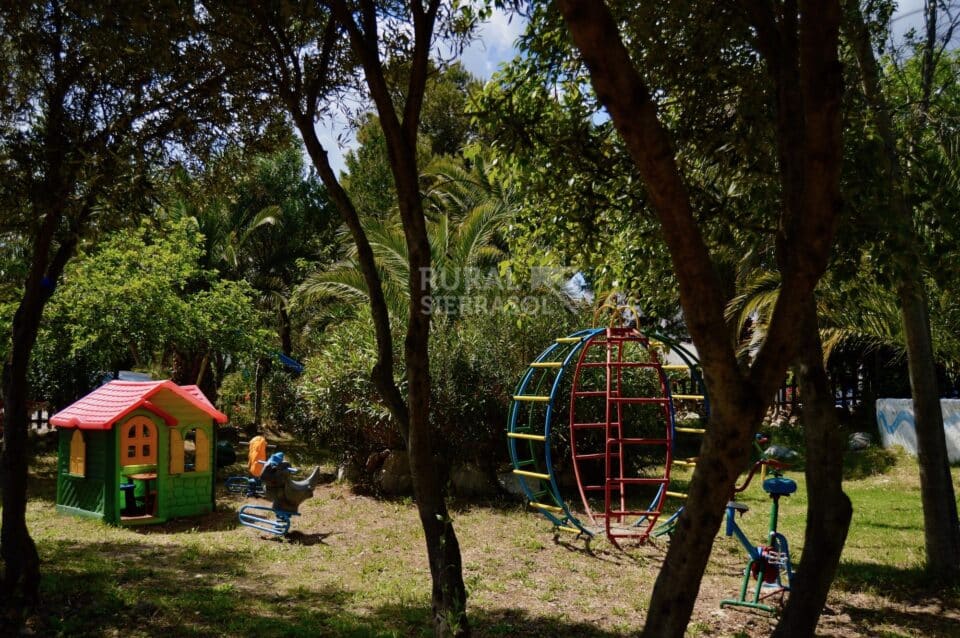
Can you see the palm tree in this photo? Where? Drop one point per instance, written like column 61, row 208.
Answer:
column 861, row 315
column 466, row 209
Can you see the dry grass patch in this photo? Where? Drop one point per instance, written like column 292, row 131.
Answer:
column 356, row 566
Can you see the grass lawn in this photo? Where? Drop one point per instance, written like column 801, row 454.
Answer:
column 356, row 566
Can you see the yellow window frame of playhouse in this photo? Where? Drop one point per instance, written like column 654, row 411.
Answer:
column 138, row 442
column 178, row 452
column 78, row 454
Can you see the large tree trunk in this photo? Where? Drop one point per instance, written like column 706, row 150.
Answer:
column 725, row 452
column 807, row 226
column 828, row 509
column 413, row 415
column 941, row 529
column 941, row 525
column 19, row 553
column 21, row 561
column 449, row 599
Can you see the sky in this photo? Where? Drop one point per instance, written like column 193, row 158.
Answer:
column 494, row 45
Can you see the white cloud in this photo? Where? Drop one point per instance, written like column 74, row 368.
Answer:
column 494, row 44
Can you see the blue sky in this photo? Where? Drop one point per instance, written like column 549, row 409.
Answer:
column 492, row 46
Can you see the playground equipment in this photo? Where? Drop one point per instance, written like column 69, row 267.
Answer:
column 768, row 565
column 256, row 460
column 285, row 494
column 137, row 453
column 621, row 430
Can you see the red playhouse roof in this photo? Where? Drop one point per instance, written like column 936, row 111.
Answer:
column 109, row 403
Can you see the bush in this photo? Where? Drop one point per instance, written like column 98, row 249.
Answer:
column 338, row 405
column 475, row 364
column 236, row 398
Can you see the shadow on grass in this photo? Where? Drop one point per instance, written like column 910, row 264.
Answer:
column 133, row 589
column 223, row 519
column 905, row 585
column 918, row 623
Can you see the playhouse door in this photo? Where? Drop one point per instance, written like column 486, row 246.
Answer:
column 138, row 456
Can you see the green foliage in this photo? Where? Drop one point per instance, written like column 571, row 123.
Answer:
column 467, row 211
column 263, row 221
column 583, row 203
column 135, row 300
column 475, row 364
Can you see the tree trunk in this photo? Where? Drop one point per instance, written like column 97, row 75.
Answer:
column 449, row 599
column 725, row 452
column 941, row 526
column 286, row 330
column 449, row 596
column 261, row 369
column 807, row 226
column 449, row 593
column 828, row 509
column 19, row 553
column 941, row 529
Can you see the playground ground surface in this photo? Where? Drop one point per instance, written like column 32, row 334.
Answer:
column 356, row 566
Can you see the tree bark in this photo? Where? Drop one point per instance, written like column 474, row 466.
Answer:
column 413, row 414
column 941, row 526
column 738, row 398
column 829, row 511
column 285, row 330
column 449, row 596
column 21, row 560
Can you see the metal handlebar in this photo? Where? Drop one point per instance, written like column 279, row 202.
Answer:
column 773, row 463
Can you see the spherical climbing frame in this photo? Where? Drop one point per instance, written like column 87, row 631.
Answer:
column 620, row 430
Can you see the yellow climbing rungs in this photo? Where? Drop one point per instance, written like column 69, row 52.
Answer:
column 536, row 475
column 694, row 397
column 685, row 463
column 569, row 340
column 691, row 430
column 547, row 364
column 525, row 436
column 548, row 508
column 572, row 530
column 677, row 494
column 530, row 397
column 675, row 367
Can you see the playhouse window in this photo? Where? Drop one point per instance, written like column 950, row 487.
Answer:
column 78, row 454
column 139, row 442
column 189, row 451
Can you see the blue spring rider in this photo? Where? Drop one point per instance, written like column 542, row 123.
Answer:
column 769, row 565
column 285, row 494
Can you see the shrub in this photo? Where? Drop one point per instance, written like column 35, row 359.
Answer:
column 475, row 362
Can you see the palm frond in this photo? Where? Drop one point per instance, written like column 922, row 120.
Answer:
column 757, row 300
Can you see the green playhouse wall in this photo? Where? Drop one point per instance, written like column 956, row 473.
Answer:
column 88, row 495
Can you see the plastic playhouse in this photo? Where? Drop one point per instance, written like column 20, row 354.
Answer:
column 134, row 453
